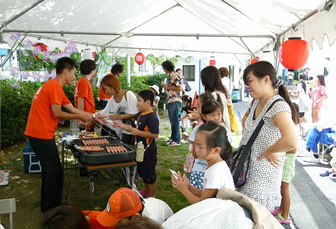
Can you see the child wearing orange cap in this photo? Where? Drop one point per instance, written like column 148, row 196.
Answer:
column 124, row 204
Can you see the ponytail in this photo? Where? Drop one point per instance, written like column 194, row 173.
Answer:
column 285, row 95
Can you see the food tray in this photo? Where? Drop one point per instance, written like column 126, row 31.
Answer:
column 104, row 157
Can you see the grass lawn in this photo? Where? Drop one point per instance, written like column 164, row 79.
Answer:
column 26, row 187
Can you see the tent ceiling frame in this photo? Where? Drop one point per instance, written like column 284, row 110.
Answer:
column 141, row 34
column 165, row 49
column 142, row 23
column 20, row 14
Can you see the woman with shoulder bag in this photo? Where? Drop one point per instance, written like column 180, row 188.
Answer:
column 277, row 135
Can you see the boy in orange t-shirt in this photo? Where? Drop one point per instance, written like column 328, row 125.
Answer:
column 43, row 118
column 83, row 93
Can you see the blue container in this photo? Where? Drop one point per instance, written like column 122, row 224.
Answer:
column 30, row 162
column 235, row 96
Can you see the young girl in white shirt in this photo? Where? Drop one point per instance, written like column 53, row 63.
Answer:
column 212, row 145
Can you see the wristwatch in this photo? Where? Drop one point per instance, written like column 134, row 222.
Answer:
column 94, row 115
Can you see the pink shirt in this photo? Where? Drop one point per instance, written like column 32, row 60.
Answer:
column 317, row 94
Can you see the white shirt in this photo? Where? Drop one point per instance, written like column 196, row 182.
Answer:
column 218, row 176
column 211, row 213
column 157, row 210
column 128, row 106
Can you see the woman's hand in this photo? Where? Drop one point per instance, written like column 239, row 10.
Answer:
column 100, row 118
column 181, row 182
column 114, row 117
column 273, row 158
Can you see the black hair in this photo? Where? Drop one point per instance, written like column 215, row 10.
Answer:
column 168, row 65
column 210, row 106
column 321, row 79
column 216, row 136
column 188, row 99
column 303, row 83
column 262, row 68
column 87, row 66
column 297, row 112
column 117, row 68
column 65, row 217
column 142, row 222
column 211, row 80
column 178, row 69
column 65, row 63
column 147, row 95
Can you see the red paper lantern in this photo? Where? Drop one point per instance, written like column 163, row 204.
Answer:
column 212, row 62
column 293, row 53
column 43, row 48
column 254, row 60
column 139, row 58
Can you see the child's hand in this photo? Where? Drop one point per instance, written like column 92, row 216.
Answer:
column 134, row 131
column 116, row 124
column 181, row 183
column 271, row 157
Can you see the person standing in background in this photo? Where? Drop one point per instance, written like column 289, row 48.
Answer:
column 226, row 81
column 83, row 92
column 116, row 70
column 179, row 73
column 318, row 95
column 174, row 93
column 305, row 74
column 43, row 118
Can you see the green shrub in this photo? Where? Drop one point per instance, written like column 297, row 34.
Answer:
column 15, row 107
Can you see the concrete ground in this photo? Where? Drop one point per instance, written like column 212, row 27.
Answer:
column 313, row 198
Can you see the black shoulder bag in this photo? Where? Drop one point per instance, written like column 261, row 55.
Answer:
column 240, row 160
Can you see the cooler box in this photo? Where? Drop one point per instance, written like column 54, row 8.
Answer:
column 30, row 162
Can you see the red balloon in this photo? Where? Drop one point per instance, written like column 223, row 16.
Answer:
column 139, row 58
column 43, row 49
column 293, row 54
column 254, row 60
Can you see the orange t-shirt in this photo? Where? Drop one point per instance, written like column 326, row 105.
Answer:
column 41, row 122
column 83, row 89
column 102, row 94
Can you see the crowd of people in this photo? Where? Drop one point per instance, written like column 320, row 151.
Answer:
column 134, row 118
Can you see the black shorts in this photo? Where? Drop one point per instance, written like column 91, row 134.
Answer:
column 301, row 114
column 146, row 169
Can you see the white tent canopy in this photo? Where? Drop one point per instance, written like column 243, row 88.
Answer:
column 173, row 27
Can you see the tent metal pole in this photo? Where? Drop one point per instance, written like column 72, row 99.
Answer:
column 163, row 49
column 20, row 14
column 11, row 52
column 247, row 47
column 141, row 34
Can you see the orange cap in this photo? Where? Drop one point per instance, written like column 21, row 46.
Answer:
column 123, row 203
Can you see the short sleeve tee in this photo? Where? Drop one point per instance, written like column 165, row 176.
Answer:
column 174, row 81
column 41, row 122
column 218, row 176
column 83, row 89
column 147, row 122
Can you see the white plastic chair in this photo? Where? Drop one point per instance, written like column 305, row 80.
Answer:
column 8, row 206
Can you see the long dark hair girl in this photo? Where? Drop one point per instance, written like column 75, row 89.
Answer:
column 211, row 80
column 321, row 79
column 262, row 68
column 303, row 83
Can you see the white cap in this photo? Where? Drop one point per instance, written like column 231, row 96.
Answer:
column 156, row 88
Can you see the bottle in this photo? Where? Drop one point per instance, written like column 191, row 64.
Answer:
column 140, row 152
column 95, row 135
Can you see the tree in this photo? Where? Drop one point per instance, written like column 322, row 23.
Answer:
column 157, row 61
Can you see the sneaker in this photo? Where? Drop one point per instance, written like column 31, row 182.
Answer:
column 333, row 177
column 168, row 141
column 282, row 220
column 172, row 143
column 276, row 211
column 312, row 160
column 325, row 174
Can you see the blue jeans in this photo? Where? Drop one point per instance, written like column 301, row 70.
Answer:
column 314, row 137
column 173, row 111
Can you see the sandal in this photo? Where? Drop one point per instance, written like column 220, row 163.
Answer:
column 282, row 220
column 275, row 211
